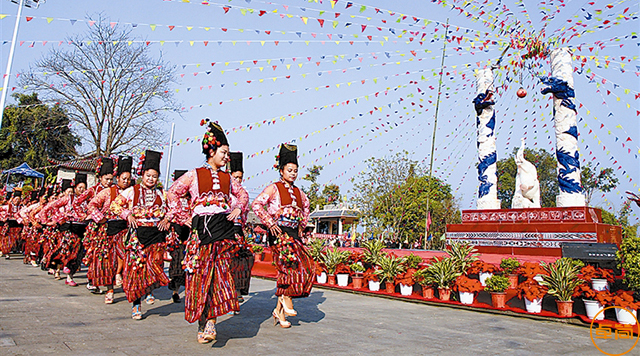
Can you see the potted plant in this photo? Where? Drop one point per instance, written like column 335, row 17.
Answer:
column 258, row 251
column 483, row 270
column 342, row 275
column 531, row 270
column 321, row 272
column 357, row 274
column 497, row 285
column 444, row 271
column 405, row 280
column 316, row 248
column 372, row 252
column 509, row 266
column 424, row 278
column 624, row 299
column 390, row 267
column 462, row 255
column 532, row 293
column 594, row 301
column 467, row 288
column 598, row 277
column 371, row 279
column 332, row 259
column 562, row 281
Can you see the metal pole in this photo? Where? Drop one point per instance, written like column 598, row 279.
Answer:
column 433, row 138
column 7, row 73
column 166, row 178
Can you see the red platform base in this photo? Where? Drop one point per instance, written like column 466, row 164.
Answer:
column 539, row 232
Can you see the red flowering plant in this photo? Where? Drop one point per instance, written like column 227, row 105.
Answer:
column 478, row 267
column 589, row 272
column 354, row 257
column 320, row 268
column 531, row 269
column 585, row 291
column 411, row 263
column 625, row 299
column 466, row 284
column 343, row 269
column 531, row 290
column 370, row 275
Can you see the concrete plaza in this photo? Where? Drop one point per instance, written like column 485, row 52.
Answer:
column 40, row 315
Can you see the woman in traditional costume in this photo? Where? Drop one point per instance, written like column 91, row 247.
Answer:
column 143, row 206
column 242, row 261
column 110, row 232
column 30, row 232
column 13, row 229
column 104, row 171
column 284, row 209
column 67, row 250
column 216, row 201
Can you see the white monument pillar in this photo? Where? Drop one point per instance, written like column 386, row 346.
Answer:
column 560, row 84
column 487, row 157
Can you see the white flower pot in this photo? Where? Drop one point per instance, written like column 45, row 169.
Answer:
column 466, row 297
column 321, row 278
column 625, row 317
column 406, row 290
column 533, row 306
column 593, row 307
column 599, row 284
column 374, row 286
column 343, row 279
column 483, row 277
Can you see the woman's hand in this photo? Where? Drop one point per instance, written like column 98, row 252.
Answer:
column 133, row 223
column 234, row 214
column 275, row 230
column 164, row 225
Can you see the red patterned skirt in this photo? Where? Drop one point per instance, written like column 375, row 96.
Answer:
column 295, row 275
column 31, row 246
column 143, row 272
column 10, row 238
column 48, row 243
column 210, row 289
column 101, row 260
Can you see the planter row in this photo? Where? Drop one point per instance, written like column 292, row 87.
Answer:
column 498, row 300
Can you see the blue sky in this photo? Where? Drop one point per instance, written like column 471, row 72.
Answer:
column 344, row 96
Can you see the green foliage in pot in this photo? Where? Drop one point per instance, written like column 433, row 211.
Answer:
column 509, row 265
column 257, row 249
column 390, row 267
column 444, row 271
column 462, row 255
column 357, row 267
column 562, row 279
column 316, row 249
column 497, row 284
column 372, row 251
column 412, row 261
column 424, row 277
column 333, row 258
column 628, row 257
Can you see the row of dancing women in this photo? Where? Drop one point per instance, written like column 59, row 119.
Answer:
column 124, row 232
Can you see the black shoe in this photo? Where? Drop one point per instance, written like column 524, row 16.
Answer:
column 176, row 298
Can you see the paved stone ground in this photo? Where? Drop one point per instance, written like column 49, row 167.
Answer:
column 40, row 315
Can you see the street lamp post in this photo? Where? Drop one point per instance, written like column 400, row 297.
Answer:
column 7, row 74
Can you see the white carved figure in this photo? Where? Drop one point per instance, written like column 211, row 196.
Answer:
column 527, row 194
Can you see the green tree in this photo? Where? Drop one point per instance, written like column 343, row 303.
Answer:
column 593, row 181
column 547, row 175
column 392, row 193
column 330, row 193
column 32, row 132
column 621, row 218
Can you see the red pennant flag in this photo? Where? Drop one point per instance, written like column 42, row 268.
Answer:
column 321, row 21
column 29, row 18
column 226, row 9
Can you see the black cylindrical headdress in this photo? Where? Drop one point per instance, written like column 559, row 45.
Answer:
column 214, row 137
column 235, row 164
column 125, row 163
column 105, row 166
column 66, row 184
column 16, row 193
column 150, row 160
column 34, row 195
column 51, row 191
column 80, row 178
column 288, row 154
column 178, row 173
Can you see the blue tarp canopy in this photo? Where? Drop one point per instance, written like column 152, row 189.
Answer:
column 24, row 170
